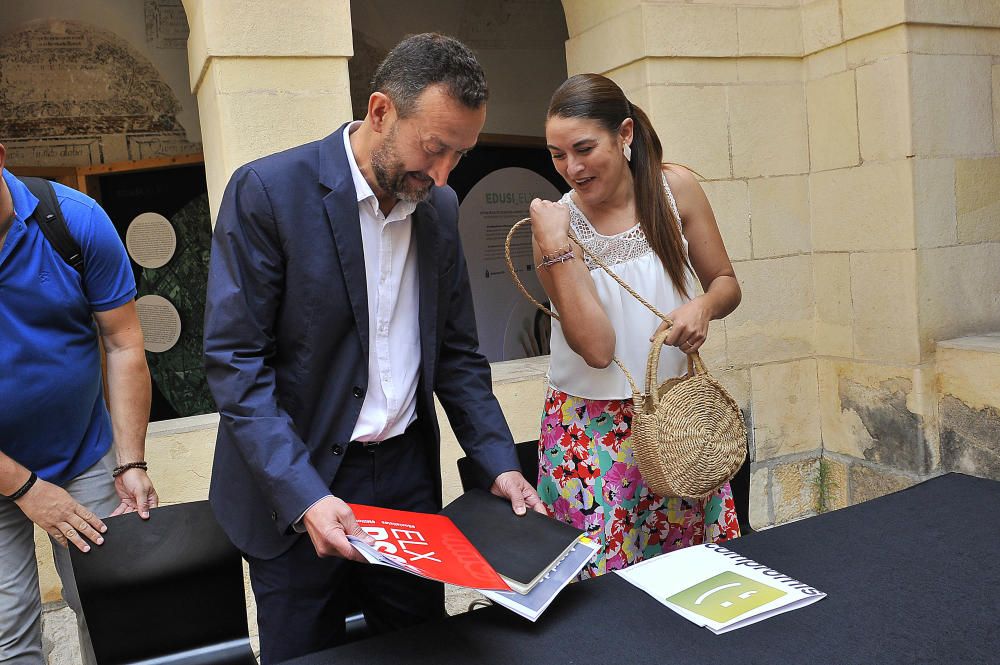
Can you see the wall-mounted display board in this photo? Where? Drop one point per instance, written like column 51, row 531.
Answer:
column 160, row 208
column 495, row 184
column 164, row 220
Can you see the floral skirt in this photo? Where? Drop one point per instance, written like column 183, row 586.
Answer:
column 589, row 478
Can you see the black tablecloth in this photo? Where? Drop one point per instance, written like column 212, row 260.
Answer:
column 912, row 577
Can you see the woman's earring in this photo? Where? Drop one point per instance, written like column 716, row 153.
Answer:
column 627, row 149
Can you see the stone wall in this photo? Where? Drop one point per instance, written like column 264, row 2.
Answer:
column 968, row 398
column 904, row 224
column 264, row 85
column 848, row 150
column 723, row 84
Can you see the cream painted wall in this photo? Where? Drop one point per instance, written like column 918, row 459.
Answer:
column 265, row 85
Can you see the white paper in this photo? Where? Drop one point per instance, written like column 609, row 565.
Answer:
column 717, row 588
column 381, row 558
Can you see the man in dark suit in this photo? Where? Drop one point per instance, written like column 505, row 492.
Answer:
column 338, row 305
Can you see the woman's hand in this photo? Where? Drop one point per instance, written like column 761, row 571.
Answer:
column 690, row 329
column 549, row 225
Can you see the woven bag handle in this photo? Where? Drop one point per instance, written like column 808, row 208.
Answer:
column 524, row 292
column 695, row 364
column 694, row 360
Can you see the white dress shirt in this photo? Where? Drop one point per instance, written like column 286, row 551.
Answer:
column 390, row 403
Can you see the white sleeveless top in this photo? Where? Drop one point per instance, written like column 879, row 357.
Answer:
column 629, row 255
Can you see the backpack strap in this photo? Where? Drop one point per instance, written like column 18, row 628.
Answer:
column 49, row 217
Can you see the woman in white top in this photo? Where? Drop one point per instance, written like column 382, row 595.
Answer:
column 652, row 224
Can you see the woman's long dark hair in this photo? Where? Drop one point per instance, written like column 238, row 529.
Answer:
column 596, row 97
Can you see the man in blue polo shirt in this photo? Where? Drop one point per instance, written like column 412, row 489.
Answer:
column 64, row 461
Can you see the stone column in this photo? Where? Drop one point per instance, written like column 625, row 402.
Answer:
column 904, row 209
column 267, row 78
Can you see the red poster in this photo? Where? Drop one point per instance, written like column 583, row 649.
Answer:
column 426, row 545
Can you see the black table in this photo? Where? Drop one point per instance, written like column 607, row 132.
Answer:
column 912, row 577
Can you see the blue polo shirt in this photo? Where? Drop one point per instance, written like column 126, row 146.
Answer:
column 52, row 414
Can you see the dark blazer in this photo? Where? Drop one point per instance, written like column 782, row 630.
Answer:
column 286, row 340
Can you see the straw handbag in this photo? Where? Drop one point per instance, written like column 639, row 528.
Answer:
column 688, row 434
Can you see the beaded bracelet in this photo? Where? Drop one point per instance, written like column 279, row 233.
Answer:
column 32, row 479
column 119, row 470
column 559, row 252
column 552, row 260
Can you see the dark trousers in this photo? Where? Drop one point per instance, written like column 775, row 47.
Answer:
column 302, row 600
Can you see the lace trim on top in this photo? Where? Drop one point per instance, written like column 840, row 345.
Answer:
column 619, row 248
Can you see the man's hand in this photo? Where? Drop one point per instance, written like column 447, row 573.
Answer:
column 328, row 522
column 136, row 492
column 59, row 515
column 512, row 485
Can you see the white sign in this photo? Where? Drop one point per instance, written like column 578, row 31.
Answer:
column 161, row 324
column 151, row 240
column 509, row 326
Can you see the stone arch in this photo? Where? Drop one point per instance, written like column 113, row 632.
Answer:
column 84, row 92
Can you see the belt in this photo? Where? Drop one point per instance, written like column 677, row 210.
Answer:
column 367, row 445
column 372, row 445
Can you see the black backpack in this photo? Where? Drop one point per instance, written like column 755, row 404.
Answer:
column 48, row 215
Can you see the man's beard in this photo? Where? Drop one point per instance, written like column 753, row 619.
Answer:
column 391, row 175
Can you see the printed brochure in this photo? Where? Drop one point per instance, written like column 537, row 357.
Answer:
column 717, row 588
column 423, row 544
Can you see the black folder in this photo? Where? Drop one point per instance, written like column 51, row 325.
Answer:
column 521, row 548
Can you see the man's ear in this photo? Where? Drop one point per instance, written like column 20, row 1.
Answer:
column 380, row 108
column 3, row 156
